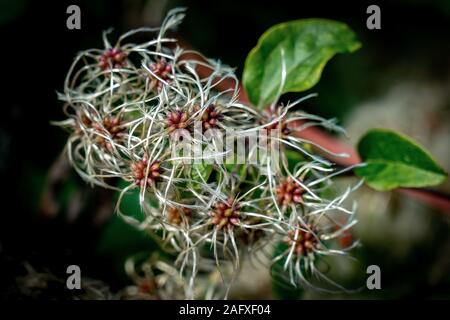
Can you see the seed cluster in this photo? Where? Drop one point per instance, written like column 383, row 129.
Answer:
column 112, row 57
column 289, row 191
column 303, row 241
column 110, row 127
column 161, row 70
column 177, row 120
column 144, row 173
column 225, row 214
column 209, row 214
column 275, row 122
column 211, row 117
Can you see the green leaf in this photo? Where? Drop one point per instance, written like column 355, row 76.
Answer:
column 305, row 46
column 201, row 171
column 394, row 160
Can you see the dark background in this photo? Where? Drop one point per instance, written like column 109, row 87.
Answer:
column 37, row 49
